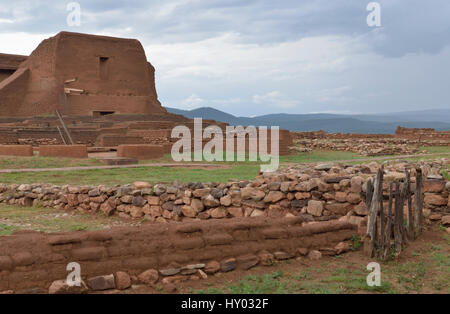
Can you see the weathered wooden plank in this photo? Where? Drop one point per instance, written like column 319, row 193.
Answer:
column 389, row 223
column 403, row 229
column 371, row 237
column 419, row 202
column 410, row 222
column 381, row 243
column 398, row 212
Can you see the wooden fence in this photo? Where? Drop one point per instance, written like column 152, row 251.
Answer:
column 387, row 232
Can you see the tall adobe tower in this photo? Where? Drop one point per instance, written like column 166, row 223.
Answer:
column 80, row 74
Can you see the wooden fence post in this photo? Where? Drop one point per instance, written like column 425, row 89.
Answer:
column 389, row 222
column 372, row 231
column 410, row 211
column 382, row 220
column 418, row 196
column 369, row 193
column 398, row 219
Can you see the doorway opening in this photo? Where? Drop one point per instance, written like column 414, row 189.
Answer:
column 103, row 68
column 99, row 114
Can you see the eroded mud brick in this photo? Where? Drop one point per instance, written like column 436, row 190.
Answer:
column 89, row 253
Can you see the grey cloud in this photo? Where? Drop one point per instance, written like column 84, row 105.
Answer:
column 407, row 26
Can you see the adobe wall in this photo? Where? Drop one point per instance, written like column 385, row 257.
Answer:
column 111, row 140
column 285, row 141
column 34, row 260
column 68, row 151
column 326, row 135
column 422, row 134
column 16, row 150
column 141, row 152
column 44, row 136
column 151, row 134
column 112, row 73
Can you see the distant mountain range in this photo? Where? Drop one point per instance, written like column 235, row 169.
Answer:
column 438, row 119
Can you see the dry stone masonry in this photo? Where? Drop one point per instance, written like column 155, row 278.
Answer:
column 325, row 192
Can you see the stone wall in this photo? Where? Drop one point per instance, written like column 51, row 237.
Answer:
column 325, row 193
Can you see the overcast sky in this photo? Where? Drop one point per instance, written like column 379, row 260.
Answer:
column 252, row 57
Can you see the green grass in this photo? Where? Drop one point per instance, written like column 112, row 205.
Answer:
column 237, row 171
column 128, row 175
column 445, row 174
column 436, row 149
column 6, row 230
column 344, row 280
column 13, row 218
column 319, row 156
column 441, row 259
column 168, row 159
column 341, row 280
column 263, row 284
column 45, row 162
column 411, row 275
column 356, row 243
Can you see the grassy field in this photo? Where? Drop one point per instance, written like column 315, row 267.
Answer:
column 45, row 162
column 436, row 149
column 319, row 156
column 112, row 177
column 51, row 162
column 237, row 171
column 14, row 218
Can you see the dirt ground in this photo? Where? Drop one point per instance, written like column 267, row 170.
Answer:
column 424, row 267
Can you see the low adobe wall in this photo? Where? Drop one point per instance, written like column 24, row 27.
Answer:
column 69, row 151
column 141, row 152
column 422, row 134
column 16, row 150
column 110, row 140
column 34, row 260
column 44, row 136
column 326, row 135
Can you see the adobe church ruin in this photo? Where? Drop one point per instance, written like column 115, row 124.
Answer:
column 104, row 87
column 79, row 74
